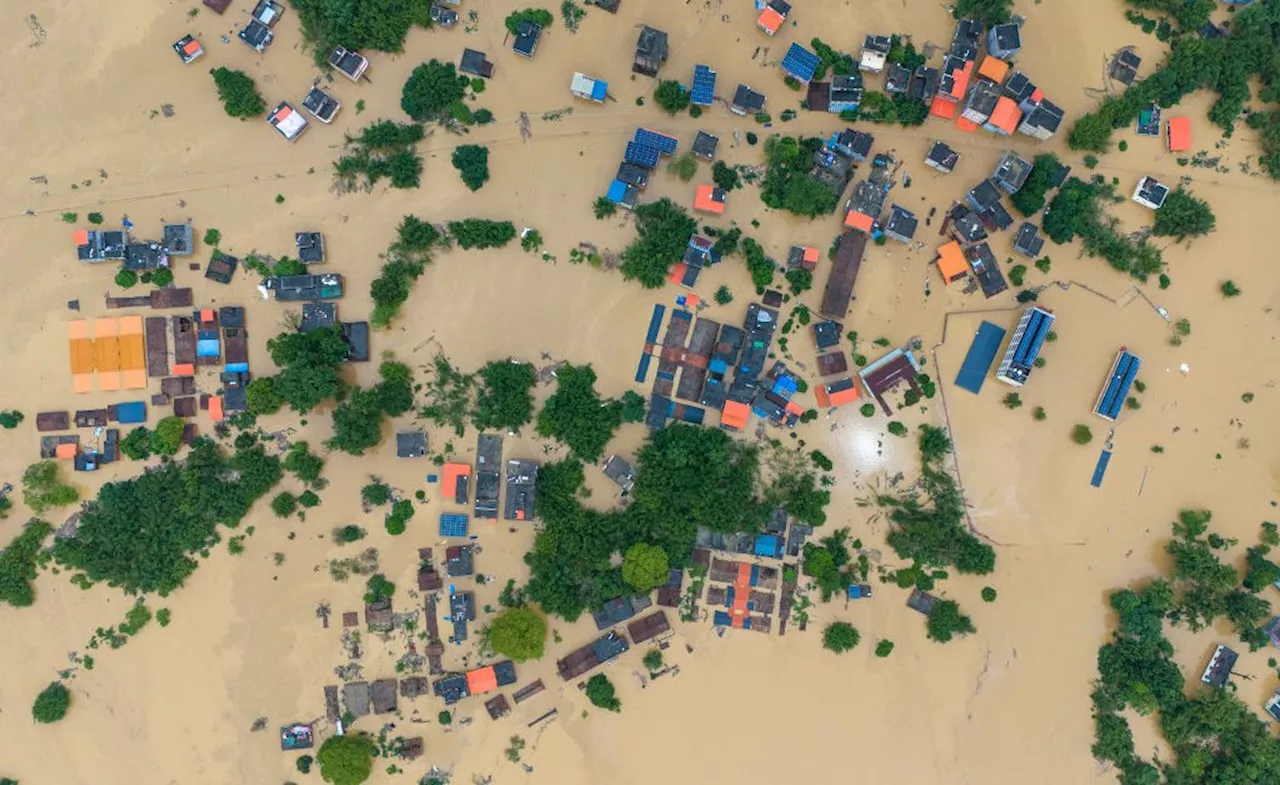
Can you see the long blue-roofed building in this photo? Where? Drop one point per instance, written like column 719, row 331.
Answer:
column 1114, row 393
column 703, row 92
column 1028, row 338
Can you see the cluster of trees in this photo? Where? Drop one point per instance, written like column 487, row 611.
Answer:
column 310, row 367
column 1183, row 215
column 839, row 63
column 645, row 567
column 385, row 149
column 799, row 493
column 877, row 107
column 759, row 264
column 347, row 759
column 141, row 534
column 239, row 95
column 166, row 439
column 304, row 464
column 576, row 415
column 434, row 92
column 1206, row 588
column 504, row 400
column 671, row 96
column 381, row 25
column 1029, row 199
column 686, row 477
column 519, row 633
column 827, row 562
column 538, row 16
column 904, row 53
column 725, row 176
column 787, row 184
column 946, row 621
column 989, row 12
column 407, row 260
column 1214, row 737
column 481, row 233
column 42, row 490
column 663, row 229
column 928, row 529
column 1076, row 210
column 839, row 637
column 18, row 564
column 472, row 163
column 1225, row 65
column 357, row 421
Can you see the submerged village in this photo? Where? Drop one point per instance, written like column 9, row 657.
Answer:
column 826, row 445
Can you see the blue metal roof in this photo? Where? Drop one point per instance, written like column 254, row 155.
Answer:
column 665, row 144
column 982, row 352
column 132, row 412
column 1033, row 337
column 768, row 545
column 785, row 387
column 207, row 347
column 721, row 619
column 453, row 525
column 1100, row 469
column 800, row 63
column 617, row 191
column 641, row 155
column 704, row 86
column 1118, row 385
column 642, row 369
column 599, row 90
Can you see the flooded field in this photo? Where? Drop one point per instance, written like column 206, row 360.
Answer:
column 101, row 116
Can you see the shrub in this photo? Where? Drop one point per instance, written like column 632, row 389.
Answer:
column 725, row 176
column 162, row 277
column 671, row 96
column 95, row 218
column 538, row 16
column 52, row 703
column 601, row 693
column 897, row 429
column 800, row 280
column 309, row 499
column 166, row 439
column 346, row 760
column 375, row 493
column 284, row 504
column 531, row 240
column 10, row 418
column 42, row 490
column 348, row 534
column 1081, row 434
column 1229, row 289
column 518, row 633
column 724, row 296
column 126, row 279
column 137, row 445
column 868, row 410
column 398, row 519
column 18, row 565
column 821, row 460
column 988, row 594
column 445, row 718
column 238, row 93
column 653, row 659
column 431, row 90
column 946, row 621
column 481, row 233
column 1038, row 413
column 1017, row 274
column 304, row 764
column 603, row 208
column 472, row 162
column 378, row 588
column 884, row 648
column 684, row 167
column 212, row 237
column 261, row 396
column 645, row 567
column 1183, row 215
column 840, row 637
column 1012, row 401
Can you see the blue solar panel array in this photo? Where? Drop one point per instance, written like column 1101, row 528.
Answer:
column 641, row 155
column 704, row 85
column 1033, row 337
column 666, row 145
column 1117, row 389
column 800, row 63
column 453, row 525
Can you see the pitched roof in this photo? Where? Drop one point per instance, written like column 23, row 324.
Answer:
column 1179, row 134
column 800, row 63
column 770, row 20
column 951, row 261
column 993, row 68
column 838, row 393
column 481, row 680
column 735, row 415
column 454, row 484
column 709, row 198
column 1006, row 115
column 748, row 99
column 856, row 220
column 704, row 85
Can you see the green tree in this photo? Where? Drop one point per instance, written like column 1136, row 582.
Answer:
column 137, row 445
column 946, row 621
column 126, row 279
column 800, row 279
column 671, row 96
column 989, row 12
column 261, row 396
column 18, row 564
column 988, row 594
column 840, row 637
column 653, row 659
column 538, row 16
column 375, row 493
column 724, row 296
column 601, row 693
column 357, row 422
column 633, row 406
column 663, row 230
column 725, row 176
column 309, row 366
column 1029, row 199
column 645, row 568
column 302, row 463
column 52, row 703
column 787, row 184
column 42, row 490
column 479, row 233
column 576, row 415
column 346, row 760
column 166, row 439
column 378, row 588
column 472, row 162
column 603, row 208
column 1080, row 434
column 381, row 25
column 431, row 90
column 884, row 648
column 505, row 398
column 1183, row 215
column 238, row 93
column 518, row 633
column 284, row 504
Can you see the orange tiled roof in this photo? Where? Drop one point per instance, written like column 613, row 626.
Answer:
column 735, row 415
column 482, row 680
column 1179, row 134
column 1006, row 115
column 770, row 20
column 704, row 199
column 856, row 220
column 943, row 108
column 968, row 126
column 951, row 262
column 994, row 69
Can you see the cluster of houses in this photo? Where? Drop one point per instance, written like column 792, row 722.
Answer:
column 616, row 642
column 258, row 34
column 520, row 481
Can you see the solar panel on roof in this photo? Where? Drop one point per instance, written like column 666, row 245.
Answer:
column 453, row 525
column 800, row 62
column 666, row 145
column 641, row 155
column 1033, row 338
column 704, row 86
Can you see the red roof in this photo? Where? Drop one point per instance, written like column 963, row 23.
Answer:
column 1006, row 115
column 81, row 237
column 827, row 398
column 677, row 272
column 968, row 126
column 708, row 199
column 66, row 451
column 191, row 47
column 1037, row 95
column 811, row 254
column 856, row 220
column 770, row 20
column 943, row 108
column 452, row 471
column 482, row 680
column 994, row 69
column 1179, row 134
column 215, row 408
column 735, row 415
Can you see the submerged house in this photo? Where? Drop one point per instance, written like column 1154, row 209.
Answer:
column 1023, row 348
column 188, row 49
column 844, row 273
column 1124, row 67
column 1041, row 121
column 310, row 247
column 522, row 483
column 885, row 374
column 321, row 105
column 622, row 473
column 951, row 262
column 709, row 199
column 651, row 51
column 854, row 145
column 924, row 83
column 746, row 101
column 588, row 88
column 526, row 41
column 287, row 121
column 475, row 63
column 901, row 225
column 1219, row 668
column 256, row 35
column 1012, row 172
column 773, row 15
column 985, row 268
column 845, row 93
column 875, row 53
column 179, row 239
column 837, row 393
column 942, row 157
column 1005, row 40
column 1028, row 241
column 1150, row 193
column 705, row 146
column 1116, row 389
column 348, row 63
column 982, row 102
column 96, row 245
column 800, row 64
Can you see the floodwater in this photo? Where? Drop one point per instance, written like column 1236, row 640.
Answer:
column 100, row 116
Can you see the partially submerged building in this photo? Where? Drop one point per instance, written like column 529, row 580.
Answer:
column 1219, row 668
column 837, row 393
column 527, row 37
column 901, row 225
column 588, row 88
column 1042, row 120
column 618, row 610
column 488, row 475
column 1150, row 193
column 459, row 561
column 746, row 101
column 96, row 245
column 898, row 80
column 708, row 198
column 773, row 16
column 1023, row 348
column 705, row 146
column 1028, row 241
column 622, row 473
column 985, row 268
column 885, row 374
column 221, row 268
column 1011, row 173
column 287, row 121
column 844, row 274
column 522, row 483
column 348, row 63
column 300, row 288
column 1004, row 40
column 411, row 444
column 942, row 157
column 844, row 93
column 321, row 105
column 875, row 53
column 475, row 63
column 651, row 51
column 800, row 64
column 178, row 239
column 310, row 247
column 852, row 144
column 598, row 652
column 1124, row 66
column 1120, row 380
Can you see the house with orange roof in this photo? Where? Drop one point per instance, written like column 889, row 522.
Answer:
column 188, row 49
column 735, row 416
column 773, row 15
column 956, row 75
column 709, row 199
column 951, row 262
column 1178, row 137
column 1004, row 118
column 838, row 393
column 993, row 68
column 456, row 482
column 803, row 257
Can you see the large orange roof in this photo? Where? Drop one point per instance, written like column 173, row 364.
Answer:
column 827, row 398
column 704, row 199
column 994, row 69
column 66, row 451
column 966, row 125
column 943, row 108
column 735, row 415
column 452, row 471
column 856, row 220
column 1006, row 115
column 215, row 408
column 1179, row 134
column 811, row 254
column 482, row 680
column 770, row 20
column 677, row 272
column 951, row 262
column 962, row 76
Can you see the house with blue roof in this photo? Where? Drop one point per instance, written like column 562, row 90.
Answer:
column 622, row 194
column 800, row 64
column 638, row 154
column 453, row 525
column 703, row 91
column 665, row 144
column 1124, row 371
column 1028, row 338
column 583, row 86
